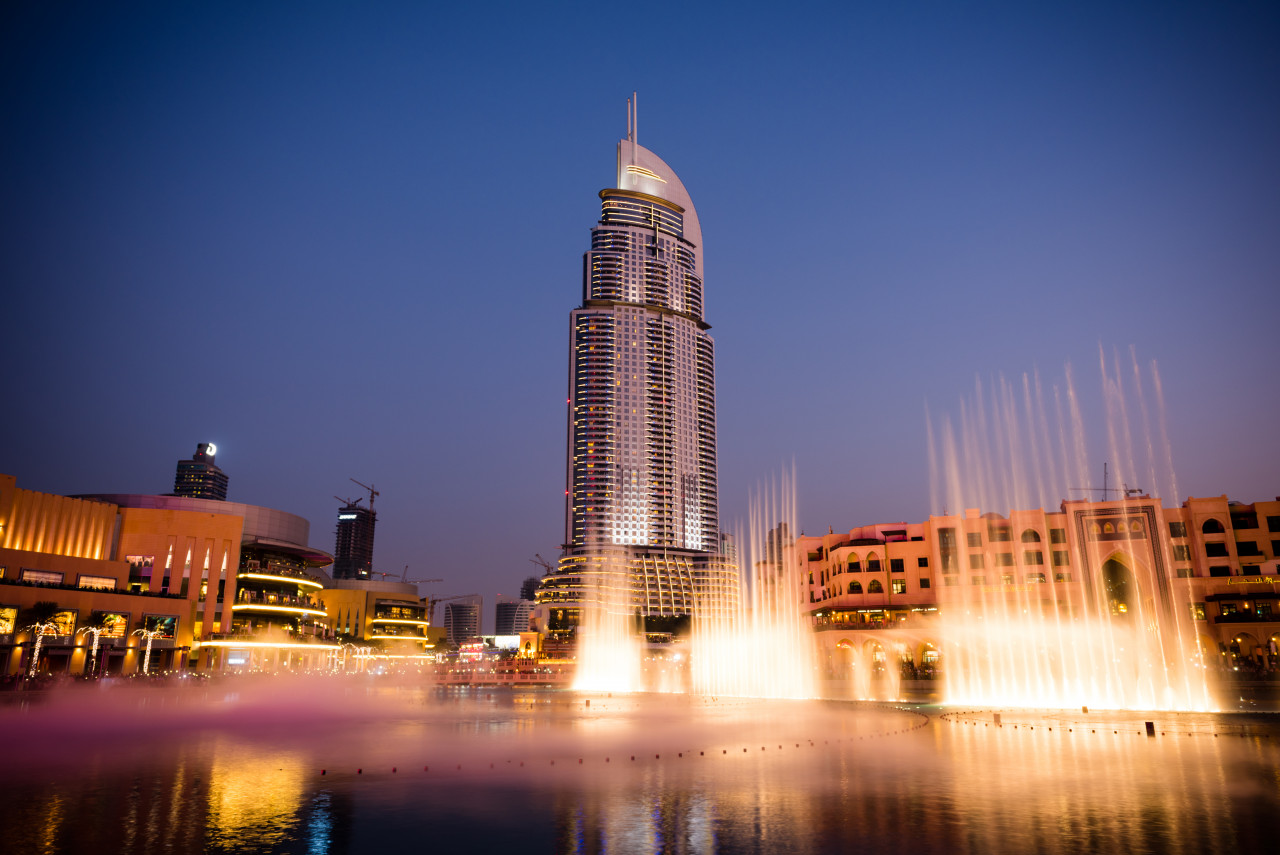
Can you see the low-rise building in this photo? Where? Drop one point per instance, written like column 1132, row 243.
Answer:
column 1209, row 564
column 389, row 617
column 202, row 583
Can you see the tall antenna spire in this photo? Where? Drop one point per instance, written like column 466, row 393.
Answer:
column 635, row 126
column 628, row 120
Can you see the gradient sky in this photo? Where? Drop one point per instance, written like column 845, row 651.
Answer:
column 344, row 242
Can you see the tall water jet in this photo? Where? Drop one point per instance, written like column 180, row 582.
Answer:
column 609, row 640
column 1115, row 631
column 757, row 643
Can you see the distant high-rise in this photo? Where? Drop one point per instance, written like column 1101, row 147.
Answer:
column 529, row 588
column 462, row 619
column 511, row 617
column 353, row 548
column 199, row 477
column 641, row 482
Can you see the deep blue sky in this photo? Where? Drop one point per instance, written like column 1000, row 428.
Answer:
column 344, row 242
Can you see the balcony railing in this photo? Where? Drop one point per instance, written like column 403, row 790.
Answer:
column 276, row 634
column 253, row 597
column 855, row 623
column 1248, row 617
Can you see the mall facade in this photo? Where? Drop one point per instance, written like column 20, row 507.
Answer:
column 1207, row 567
column 129, row 583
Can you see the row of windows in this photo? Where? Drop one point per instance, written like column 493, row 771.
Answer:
column 1060, row 558
column 1033, row 557
column 875, row 586
column 999, row 534
column 1247, row 548
column 1241, row 519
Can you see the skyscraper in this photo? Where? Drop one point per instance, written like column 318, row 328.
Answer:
column 529, row 588
column 199, row 477
column 641, row 470
column 462, row 619
column 353, row 546
column 511, row 616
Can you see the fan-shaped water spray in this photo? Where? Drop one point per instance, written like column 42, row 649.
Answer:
column 1116, row 630
column 764, row 649
column 750, row 640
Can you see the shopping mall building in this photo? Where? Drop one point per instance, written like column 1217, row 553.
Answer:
column 175, row 582
column 1207, row 566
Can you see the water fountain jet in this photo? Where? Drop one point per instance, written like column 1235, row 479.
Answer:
column 1117, row 635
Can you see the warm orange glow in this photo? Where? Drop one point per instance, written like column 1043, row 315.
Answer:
column 292, row 580
column 289, row 609
column 291, row 645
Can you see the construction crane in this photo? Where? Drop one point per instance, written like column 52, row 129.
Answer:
column 1124, row 489
column 372, row 492
column 432, row 602
column 435, row 600
column 350, row 503
column 543, row 563
column 404, row 577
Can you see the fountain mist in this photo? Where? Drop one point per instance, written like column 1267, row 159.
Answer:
column 764, row 647
column 1122, row 636
column 751, row 640
column 609, row 645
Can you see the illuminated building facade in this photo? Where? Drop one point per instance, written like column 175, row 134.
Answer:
column 353, row 546
column 641, row 482
column 1209, row 564
column 211, row 584
column 511, row 616
column 78, row 564
column 390, row 616
column 462, row 619
column 199, row 477
column 252, row 596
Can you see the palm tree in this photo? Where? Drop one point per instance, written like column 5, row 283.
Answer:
column 41, row 616
column 96, row 625
column 149, row 635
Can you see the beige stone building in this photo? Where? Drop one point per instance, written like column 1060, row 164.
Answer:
column 1207, row 567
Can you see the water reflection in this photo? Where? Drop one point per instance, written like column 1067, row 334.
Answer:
column 546, row 772
column 252, row 795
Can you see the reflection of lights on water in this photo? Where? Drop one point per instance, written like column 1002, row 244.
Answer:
column 250, row 797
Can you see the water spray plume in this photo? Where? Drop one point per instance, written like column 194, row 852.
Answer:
column 1114, row 632
column 763, row 649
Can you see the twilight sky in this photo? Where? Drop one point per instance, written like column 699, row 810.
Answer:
column 344, row 242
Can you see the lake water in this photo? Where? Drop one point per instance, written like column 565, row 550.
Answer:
column 311, row 767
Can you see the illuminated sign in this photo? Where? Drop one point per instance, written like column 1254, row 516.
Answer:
column 346, row 516
column 211, row 450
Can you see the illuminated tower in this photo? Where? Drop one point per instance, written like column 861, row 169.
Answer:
column 353, row 545
column 641, row 480
column 199, row 477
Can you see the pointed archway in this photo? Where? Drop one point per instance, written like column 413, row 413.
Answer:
column 1120, row 589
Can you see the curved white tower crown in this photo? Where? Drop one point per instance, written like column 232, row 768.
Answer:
column 642, row 171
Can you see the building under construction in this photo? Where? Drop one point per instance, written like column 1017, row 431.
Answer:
column 353, row 547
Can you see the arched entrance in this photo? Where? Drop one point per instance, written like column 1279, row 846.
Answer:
column 1244, row 649
column 842, row 659
column 1120, row 589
